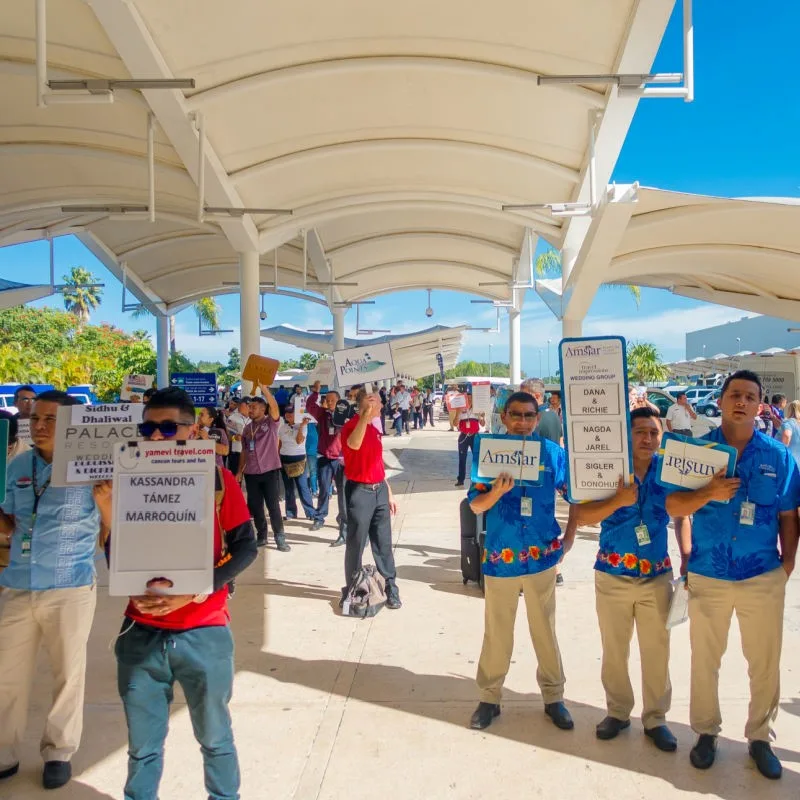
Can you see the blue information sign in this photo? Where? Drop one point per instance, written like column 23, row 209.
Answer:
column 200, row 386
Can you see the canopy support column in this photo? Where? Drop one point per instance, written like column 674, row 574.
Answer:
column 514, row 349
column 249, row 298
column 338, row 328
column 162, row 350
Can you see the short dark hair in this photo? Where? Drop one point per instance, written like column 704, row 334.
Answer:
column 171, row 397
column 148, row 393
column 742, row 375
column 258, row 399
column 644, row 413
column 55, row 396
column 333, row 391
column 13, row 426
column 245, row 399
column 521, row 397
column 776, row 398
column 25, row 388
column 678, row 395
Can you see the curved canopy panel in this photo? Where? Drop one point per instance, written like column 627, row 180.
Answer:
column 414, row 354
column 740, row 253
column 394, row 137
column 17, row 294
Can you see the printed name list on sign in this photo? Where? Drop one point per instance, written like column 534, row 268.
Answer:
column 686, row 463
column 85, row 438
column 163, row 517
column 517, row 455
column 594, row 385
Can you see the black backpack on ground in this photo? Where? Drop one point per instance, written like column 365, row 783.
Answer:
column 472, row 538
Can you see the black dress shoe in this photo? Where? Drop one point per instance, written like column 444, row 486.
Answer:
column 318, row 523
column 704, row 752
column 484, row 715
column 459, row 484
column 560, row 716
column 56, row 774
column 280, row 542
column 766, row 761
column 339, row 541
column 393, row 597
column 610, row 727
column 9, row 772
column 662, row 738
column 261, row 541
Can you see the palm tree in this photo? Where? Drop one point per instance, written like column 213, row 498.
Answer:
column 206, row 308
column 548, row 264
column 644, row 363
column 80, row 297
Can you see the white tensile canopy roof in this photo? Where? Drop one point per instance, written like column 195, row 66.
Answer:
column 17, row 294
column 414, row 354
column 722, row 363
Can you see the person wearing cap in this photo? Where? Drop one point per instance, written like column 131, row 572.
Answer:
column 261, row 467
column 369, row 498
column 523, row 546
column 633, row 586
column 744, row 546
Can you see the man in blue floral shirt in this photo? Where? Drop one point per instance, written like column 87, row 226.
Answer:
column 522, row 550
column 744, row 542
column 633, row 576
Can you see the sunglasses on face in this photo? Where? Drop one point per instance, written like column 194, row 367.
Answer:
column 168, row 429
column 518, row 415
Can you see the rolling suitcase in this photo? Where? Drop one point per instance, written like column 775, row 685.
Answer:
column 471, row 544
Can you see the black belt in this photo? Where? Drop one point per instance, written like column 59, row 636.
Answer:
column 373, row 487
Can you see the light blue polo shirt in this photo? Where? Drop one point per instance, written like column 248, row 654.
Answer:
column 722, row 547
column 65, row 534
column 517, row 545
column 620, row 552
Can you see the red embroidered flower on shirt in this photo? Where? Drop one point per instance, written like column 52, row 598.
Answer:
column 629, row 561
column 494, row 557
column 614, row 559
column 645, row 567
column 534, row 552
column 507, row 555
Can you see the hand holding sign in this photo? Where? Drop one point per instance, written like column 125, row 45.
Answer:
column 627, row 494
column 721, row 488
column 503, row 484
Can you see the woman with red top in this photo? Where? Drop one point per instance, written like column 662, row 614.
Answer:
column 184, row 638
column 368, row 496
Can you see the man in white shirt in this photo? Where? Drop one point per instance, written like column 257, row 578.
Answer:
column 680, row 416
column 403, row 400
column 237, row 419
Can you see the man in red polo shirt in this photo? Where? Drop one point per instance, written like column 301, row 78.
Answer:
column 184, row 638
column 369, row 499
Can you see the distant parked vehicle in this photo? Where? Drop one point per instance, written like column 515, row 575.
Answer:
column 709, row 405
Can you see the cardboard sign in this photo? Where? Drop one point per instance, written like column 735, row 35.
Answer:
column 3, row 457
column 162, row 517
column 85, row 438
column 594, row 392
column 361, row 364
column 458, row 401
column 324, row 372
column 260, row 370
column 686, row 463
column 517, row 455
column 24, row 431
column 482, row 399
column 135, row 385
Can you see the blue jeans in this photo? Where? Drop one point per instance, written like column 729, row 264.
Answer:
column 149, row 661
column 330, row 471
column 311, row 472
column 299, row 484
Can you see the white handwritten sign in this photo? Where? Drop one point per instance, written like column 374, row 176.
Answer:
column 360, row 364
column 163, row 517
column 24, row 430
column 85, row 438
column 691, row 463
column 594, row 385
column 496, row 454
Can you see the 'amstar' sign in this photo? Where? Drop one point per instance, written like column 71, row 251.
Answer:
column 496, row 454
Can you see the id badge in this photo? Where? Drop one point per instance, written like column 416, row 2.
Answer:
column 252, row 447
column 526, row 506
column 747, row 513
column 642, row 534
column 331, row 430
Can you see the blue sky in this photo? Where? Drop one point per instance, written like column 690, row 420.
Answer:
column 739, row 138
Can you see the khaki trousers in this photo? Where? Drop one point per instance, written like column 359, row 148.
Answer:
column 502, row 600
column 758, row 603
column 622, row 602
column 61, row 619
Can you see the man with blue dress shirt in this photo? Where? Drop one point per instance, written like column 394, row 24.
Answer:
column 523, row 547
column 744, row 543
column 633, row 574
column 49, row 595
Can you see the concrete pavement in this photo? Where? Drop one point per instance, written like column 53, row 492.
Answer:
column 329, row 707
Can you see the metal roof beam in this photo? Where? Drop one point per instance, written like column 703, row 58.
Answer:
column 323, row 269
column 130, row 36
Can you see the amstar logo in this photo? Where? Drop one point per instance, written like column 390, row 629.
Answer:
column 579, row 352
column 360, row 365
column 688, row 466
column 507, row 458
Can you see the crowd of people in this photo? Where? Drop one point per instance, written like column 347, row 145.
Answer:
column 737, row 538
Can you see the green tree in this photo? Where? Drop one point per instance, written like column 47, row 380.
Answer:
column 206, row 308
column 178, row 362
column 548, row 265
column 234, row 360
column 309, row 360
column 644, row 363
column 80, row 298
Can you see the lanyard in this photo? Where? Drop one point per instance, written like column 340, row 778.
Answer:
column 37, row 491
